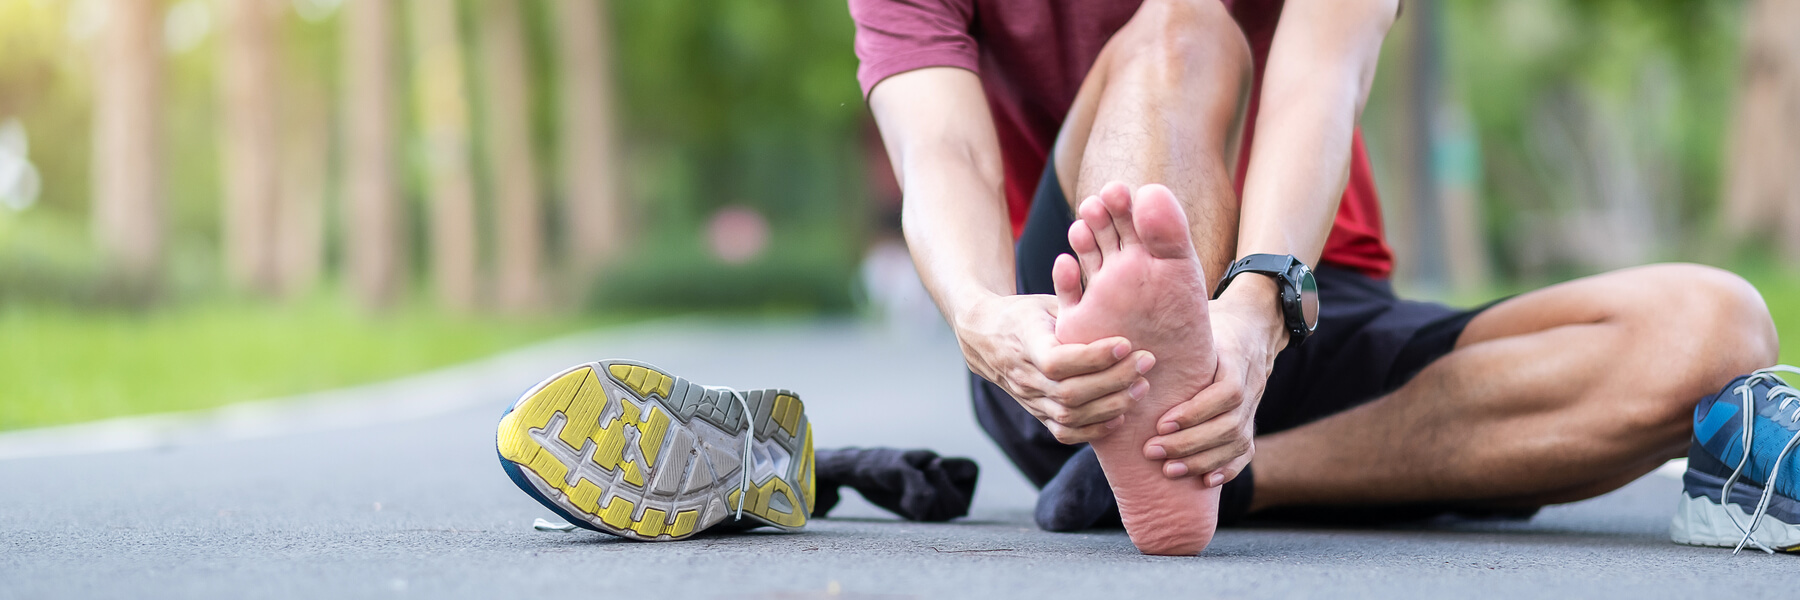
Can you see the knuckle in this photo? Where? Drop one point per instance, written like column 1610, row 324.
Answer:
column 1242, row 447
column 1014, row 375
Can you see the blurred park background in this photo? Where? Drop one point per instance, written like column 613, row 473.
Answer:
column 207, row 201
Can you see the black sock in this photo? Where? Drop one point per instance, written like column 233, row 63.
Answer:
column 917, row 485
column 1078, row 497
column 1234, row 498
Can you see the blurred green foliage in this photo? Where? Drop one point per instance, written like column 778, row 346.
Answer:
column 723, row 102
column 735, row 102
column 800, row 272
column 1537, row 76
column 729, row 102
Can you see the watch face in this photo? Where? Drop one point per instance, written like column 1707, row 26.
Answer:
column 1309, row 298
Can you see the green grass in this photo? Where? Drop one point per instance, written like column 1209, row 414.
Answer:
column 1782, row 292
column 63, row 365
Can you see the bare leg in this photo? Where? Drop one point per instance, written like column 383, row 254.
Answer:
column 1557, row 395
column 1164, row 104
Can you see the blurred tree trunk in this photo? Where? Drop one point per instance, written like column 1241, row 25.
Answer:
column 252, row 148
column 374, row 232
column 1439, row 233
column 1762, row 184
column 300, row 220
column 518, row 234
column 128, row 206
column 444, row 124
column 591, row 188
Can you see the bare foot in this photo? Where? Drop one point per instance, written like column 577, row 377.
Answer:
column 1144, row 282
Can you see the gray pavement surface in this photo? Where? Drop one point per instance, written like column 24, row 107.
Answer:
column 403, row 497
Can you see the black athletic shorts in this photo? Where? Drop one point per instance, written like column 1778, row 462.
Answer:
column 1368, row 343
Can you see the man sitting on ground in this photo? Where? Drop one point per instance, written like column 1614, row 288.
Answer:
column 1123, row 133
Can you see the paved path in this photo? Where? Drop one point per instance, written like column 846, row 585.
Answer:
column 415, row 505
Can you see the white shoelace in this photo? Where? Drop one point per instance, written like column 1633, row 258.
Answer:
column 1780, row 388
column 749, row 437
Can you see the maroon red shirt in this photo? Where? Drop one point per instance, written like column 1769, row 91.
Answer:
column 1032, row 55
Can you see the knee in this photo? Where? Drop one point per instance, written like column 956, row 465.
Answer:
column 1705, row 326
column 1172, row 42
column 1724, row 316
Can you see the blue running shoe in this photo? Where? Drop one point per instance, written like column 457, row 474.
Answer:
column 625, row 448
column 1760, row 412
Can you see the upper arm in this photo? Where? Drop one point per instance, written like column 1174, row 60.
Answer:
column 896, row 36
column 936, row 114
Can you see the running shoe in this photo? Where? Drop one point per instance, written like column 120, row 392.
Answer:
column 625, row 448
column 1760, row 412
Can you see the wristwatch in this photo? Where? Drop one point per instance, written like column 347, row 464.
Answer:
column 1298, row 293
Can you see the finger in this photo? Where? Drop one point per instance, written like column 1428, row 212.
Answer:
column 1079, row 435
column 1224, row 475
column 1218, row 465
column 1062, row 361
column 1065, row 276
column 1101, row 410
column 1195, row 440
column 1224, row 395
column 1116, row 197
column 1100, row 222
column 1081, row 389
column 1081, row 239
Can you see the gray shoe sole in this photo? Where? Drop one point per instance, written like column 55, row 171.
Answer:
column 628, row 449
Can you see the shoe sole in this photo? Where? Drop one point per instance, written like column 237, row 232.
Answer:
column 625, row 448
column 1701, row 522
column 1702, row 519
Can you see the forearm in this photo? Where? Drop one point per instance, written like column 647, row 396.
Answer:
column 956, row 225
column 935, row 125
column 1320, row 67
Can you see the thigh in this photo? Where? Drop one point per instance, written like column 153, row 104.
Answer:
column 1677, row 331
column 1638, row 293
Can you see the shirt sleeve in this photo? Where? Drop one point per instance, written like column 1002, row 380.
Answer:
column 896, row 36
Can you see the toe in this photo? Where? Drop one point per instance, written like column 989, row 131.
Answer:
column 1081, row 239
column 1100, row 223
column 1157, row 219
column 1065, row 276
column 1116, row 197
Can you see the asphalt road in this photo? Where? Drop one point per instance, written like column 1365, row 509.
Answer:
column 399, row 494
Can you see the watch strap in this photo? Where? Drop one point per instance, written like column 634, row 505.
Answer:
column 1287, row 292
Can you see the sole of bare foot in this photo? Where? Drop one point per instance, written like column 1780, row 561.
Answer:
column 1144, row 282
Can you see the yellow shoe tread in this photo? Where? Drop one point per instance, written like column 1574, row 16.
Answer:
column 581, row 398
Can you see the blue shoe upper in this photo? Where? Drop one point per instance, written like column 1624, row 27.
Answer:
column 1774, row 422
